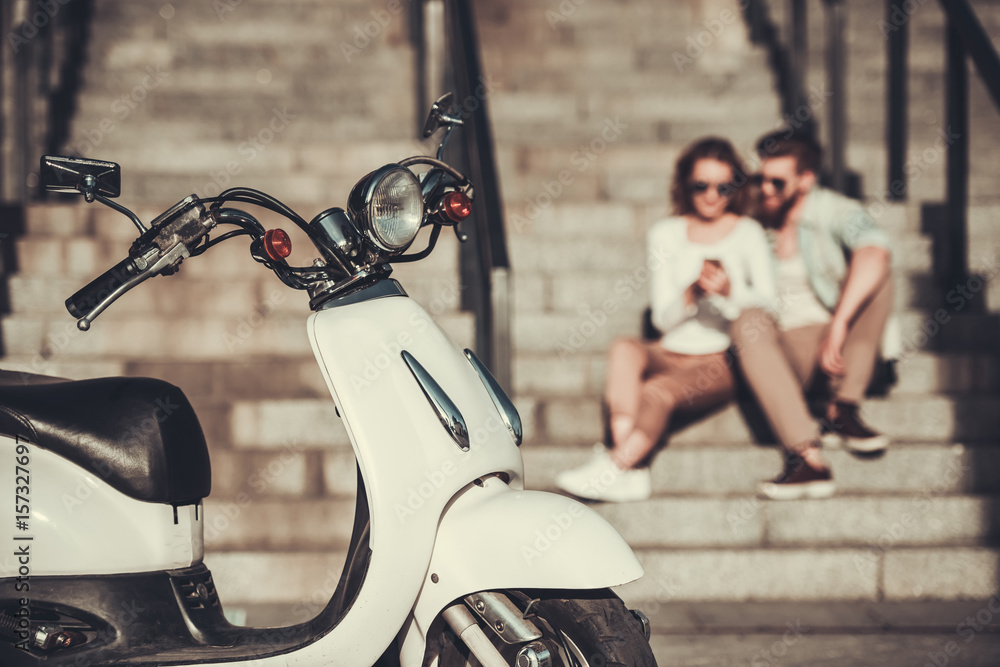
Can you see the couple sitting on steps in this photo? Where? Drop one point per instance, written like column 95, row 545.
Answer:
column 808, row 298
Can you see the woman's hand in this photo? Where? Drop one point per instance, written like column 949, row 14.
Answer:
column 713, row 278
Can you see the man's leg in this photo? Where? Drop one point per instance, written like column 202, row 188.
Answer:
column 860, row 352
column 862, row 345
column 776, row 364
column 776, row 371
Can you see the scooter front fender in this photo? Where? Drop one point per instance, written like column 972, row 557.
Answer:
column 495, row 537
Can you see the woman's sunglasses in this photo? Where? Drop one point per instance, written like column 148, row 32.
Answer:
column 778, row 183
column 701, row 187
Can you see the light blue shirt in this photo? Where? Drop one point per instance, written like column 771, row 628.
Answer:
column 831, row 228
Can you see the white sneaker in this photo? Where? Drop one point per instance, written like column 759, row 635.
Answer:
column 601, row 479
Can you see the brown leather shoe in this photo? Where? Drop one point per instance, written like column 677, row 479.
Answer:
column 847, row 427
column 798, row 480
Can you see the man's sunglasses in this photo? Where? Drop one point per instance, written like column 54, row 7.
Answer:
column 700, row 187
column 778, row 183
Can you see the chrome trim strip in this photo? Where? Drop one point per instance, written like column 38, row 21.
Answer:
column 381, row 289
column 500, row 399
column 449, row 414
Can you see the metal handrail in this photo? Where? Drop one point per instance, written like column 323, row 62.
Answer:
column 486, row 263
column 976, row 42
column 43, row 45
column 965, row 37
column 789, row 63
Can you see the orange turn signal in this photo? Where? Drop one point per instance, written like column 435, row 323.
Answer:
column 277, row 244
column 457, row 206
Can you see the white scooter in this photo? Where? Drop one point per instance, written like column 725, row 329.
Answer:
column 451, row 561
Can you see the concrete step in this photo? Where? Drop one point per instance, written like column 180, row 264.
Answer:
column 920, row 417
column 291, row 23
column 307, row 579
column 691, row 523
column 88, row 257
column 124, row 59
column 120, row 336
column 918, row 573
column 583, row 374
column 730, row 472
column 248, row 521
column 132, row 89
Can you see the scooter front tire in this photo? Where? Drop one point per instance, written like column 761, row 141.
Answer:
column 585, row 628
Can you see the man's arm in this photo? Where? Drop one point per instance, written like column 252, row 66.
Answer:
column 867, row 273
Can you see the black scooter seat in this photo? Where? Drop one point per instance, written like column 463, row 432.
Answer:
column 139, row 435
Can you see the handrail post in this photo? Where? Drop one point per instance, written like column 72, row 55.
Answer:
column 957, row 127
column 491, row 273
column 896, row 103
column 835, row 63
column 798, row 34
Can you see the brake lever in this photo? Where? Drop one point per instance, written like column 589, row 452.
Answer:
column 147, row 271
column 83, row 324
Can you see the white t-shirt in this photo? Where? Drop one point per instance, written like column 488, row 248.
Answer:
column 797, row 304
column 676, row 263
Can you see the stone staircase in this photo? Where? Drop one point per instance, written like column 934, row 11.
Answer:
column 920, row 522
column 190, row 97
column 592, row 102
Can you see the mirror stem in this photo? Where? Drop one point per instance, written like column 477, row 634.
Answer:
column 121, row 209
column 444, row 141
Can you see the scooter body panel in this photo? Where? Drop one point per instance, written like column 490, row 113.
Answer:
column 80, row 525
column 493, row 537
column 411, row 465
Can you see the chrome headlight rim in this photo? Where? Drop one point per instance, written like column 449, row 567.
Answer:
column 361, row 208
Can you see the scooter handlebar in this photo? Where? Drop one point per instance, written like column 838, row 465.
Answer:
column 87, row 298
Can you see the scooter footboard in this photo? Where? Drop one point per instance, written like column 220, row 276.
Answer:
column 495, row 537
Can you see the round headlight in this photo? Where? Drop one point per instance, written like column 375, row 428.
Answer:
column 388, row 206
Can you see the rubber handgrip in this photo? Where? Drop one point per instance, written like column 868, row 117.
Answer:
column 86, row 299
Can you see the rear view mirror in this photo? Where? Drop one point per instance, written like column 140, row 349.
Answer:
column 73, row 175
column 440, row 115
